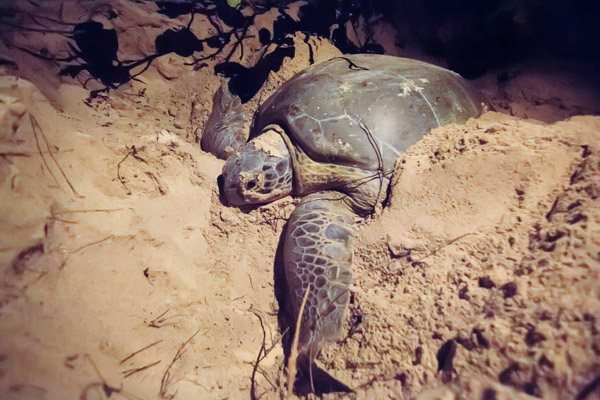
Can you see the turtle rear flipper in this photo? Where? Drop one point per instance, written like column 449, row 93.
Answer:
column 223, row 133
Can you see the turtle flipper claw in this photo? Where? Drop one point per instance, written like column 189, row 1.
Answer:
column 223, row 133
column 318, row 253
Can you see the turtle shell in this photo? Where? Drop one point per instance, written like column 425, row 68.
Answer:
column 364, row 110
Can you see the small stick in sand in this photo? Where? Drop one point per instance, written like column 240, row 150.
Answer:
column 294, row 350
column 36, row 127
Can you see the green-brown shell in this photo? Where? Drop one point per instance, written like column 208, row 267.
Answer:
column 327, row 109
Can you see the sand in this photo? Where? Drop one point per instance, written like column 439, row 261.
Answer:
column 122, row 274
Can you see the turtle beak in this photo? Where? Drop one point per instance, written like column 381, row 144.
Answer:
column 222, row 191
column 232, row 194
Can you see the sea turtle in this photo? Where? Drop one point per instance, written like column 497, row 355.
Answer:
column 331, row 135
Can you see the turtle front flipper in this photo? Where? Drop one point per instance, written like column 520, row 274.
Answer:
column 318, row 253
column 223, row 133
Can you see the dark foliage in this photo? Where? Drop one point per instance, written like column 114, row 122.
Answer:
column 97, row 48
column 472, row 35
column 181, row 42
column 246, row 82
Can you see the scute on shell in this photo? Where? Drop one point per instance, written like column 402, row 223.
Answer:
column 328, row 108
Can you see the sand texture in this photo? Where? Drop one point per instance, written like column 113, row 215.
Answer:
column 123, row 275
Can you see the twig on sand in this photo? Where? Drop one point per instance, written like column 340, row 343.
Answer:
column 291, row 368
column 139, row 351
column 157, row 184
column 119, row 177
column 258, row 358
column 103, row 385
column 129, row 372
column 133, row 152
column 39, row 147
column 86, row 211
column 91, row 244
column 14, row 154
column 36, row 127
column 64, row 221
column 448, row 243
column 167, row 376
column 383, row 377
column 263, row 352
column 161, row 320
column 157, row 322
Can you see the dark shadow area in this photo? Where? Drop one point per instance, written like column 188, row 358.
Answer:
column 246, row 82
column 472, row 36
column 94, row 48
column 285, row 314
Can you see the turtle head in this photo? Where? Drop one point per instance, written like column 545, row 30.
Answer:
column 260, row 172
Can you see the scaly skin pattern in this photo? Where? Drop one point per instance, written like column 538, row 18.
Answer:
column 260, row 171
column 318, row 253
column 364, row 189
column 222, row 134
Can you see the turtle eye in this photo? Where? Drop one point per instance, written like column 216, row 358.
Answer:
column 250, row 184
